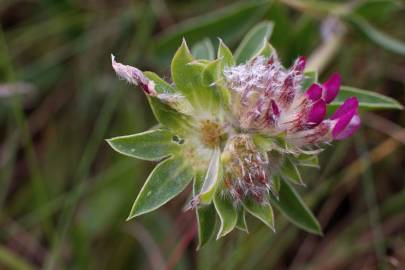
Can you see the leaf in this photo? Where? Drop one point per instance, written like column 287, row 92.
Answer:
column 211, row 73
column 203, row 50
column 149, row 145
column 368, row 100
column 212, row 178
column 308, row 161
column 229, row 23
column 169, row 95
column 254, row 40
column 304, row 35
column 168, row 179
column 276, row 184
column 265, row 51
column 161, row 86
column 263, row 142
column 212, row 79
column 290, row 171
column 187, row 76
column 206, row 215
column 227, row 214
column 206, row 219
column 267, row 143
column 264, row 212
column 283, row 25
column 310, row 77
column 378, row 37
column 377, row 10
column 293, row 207
column 225, row 54
column 241, row 223
column 169, row 117
column 163, row 113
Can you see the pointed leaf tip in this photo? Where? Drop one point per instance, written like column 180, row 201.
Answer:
column 368, row 100
column 290, row 171
column 206, row 214
column 254, row 40
column 241, row 223
column 167, row 180
column 187, row 76
column 227, row 214
column 225, row 54
column 263, row 212
column 293, row 207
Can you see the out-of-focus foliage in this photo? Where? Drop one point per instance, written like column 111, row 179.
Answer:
column 64, row 195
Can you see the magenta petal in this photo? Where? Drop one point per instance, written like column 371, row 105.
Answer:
column 351, row 103
column 314, row 92
column 331, row 86
column 317, row 112
column 342, row 122
column 351, row 128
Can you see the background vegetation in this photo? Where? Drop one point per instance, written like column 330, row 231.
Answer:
column 65, row 195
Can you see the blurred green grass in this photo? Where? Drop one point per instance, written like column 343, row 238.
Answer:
column 64, row 195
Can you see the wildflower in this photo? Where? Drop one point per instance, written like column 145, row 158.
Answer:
column 240, row 131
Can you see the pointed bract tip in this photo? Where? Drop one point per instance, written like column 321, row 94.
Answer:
column 221, row 234
column 184, row 43
column 108, row 141
column 129, row 218
column 300, row 63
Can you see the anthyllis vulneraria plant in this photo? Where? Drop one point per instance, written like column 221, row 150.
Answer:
column 239, row 127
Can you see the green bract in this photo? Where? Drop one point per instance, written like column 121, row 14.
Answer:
column 203, row 137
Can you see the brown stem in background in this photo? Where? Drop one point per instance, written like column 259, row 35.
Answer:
column 181, row 246
column 146, row 240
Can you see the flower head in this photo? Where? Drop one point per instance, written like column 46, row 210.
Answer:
column 239, row 130
column 267, row 98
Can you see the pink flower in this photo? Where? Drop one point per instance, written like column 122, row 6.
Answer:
column 265, row 99
column 268, row 98
column 346, row 119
